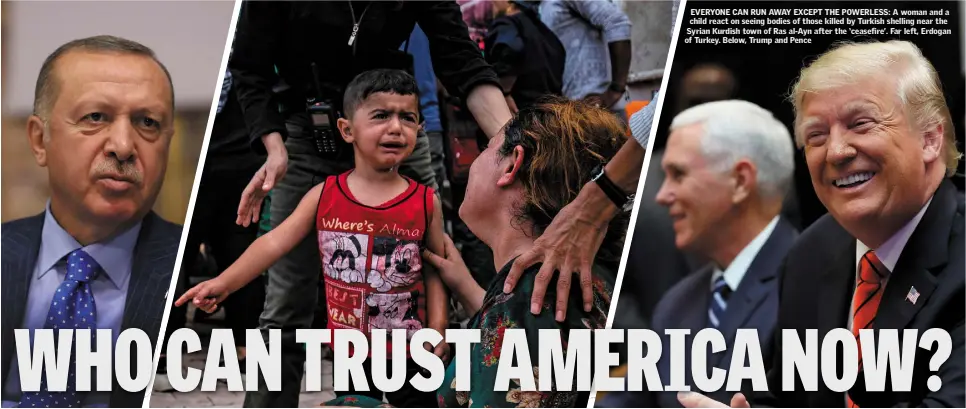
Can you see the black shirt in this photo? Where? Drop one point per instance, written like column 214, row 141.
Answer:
column 229, row 146
column 291, row 36
column 521, row 45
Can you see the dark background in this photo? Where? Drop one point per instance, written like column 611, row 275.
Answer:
column 765, row 73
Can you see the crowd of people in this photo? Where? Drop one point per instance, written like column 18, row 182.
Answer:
column 301, row 144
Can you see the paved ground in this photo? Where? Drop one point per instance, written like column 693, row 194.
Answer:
column 222, row 397
column 225, row 398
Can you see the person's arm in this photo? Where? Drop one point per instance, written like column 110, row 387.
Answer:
column 640, row 122
column 255, row 51
column 489, row 108
column 620, row 66
column 437, row 305
column 507, row 81
column 264, row 252
column 571, row 241
column 459, row 64
column 615, row 27
column 456, row 276
column 252, row 64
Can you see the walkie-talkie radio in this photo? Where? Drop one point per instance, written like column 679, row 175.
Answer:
column 328, row 141
column 324, row 116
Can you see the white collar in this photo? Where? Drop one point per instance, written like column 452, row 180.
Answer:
column 739, row 266
column 889, row 252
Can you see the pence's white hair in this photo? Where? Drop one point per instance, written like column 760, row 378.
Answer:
column 736, row 130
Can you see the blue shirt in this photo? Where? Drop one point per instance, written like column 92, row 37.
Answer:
column 115, row 257
column 425, row 79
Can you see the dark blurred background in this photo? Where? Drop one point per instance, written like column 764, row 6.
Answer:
column 764, row 74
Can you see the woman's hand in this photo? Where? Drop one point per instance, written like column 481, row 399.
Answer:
column 456, row 276
column 451, row 266
column 441, row 350
column 206, row 295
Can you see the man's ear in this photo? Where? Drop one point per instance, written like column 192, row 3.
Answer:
column 932, row 143
column 345, row 129
column 35, row 135
column 510, row 172
column 745, row 177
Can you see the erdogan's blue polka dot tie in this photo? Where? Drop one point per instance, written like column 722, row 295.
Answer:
column 71, row 308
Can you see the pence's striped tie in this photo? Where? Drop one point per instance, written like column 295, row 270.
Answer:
column 719, row 302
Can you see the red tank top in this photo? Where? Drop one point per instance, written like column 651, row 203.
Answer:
column 372, row 258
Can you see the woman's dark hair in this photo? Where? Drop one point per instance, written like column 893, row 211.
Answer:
column 563, row 142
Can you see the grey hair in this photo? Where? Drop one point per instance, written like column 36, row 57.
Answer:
column 46, row 89
column 735, row 130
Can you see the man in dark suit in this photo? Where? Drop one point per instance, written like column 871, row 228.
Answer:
column 98, row 256
column 879, row 145
column 728, row 164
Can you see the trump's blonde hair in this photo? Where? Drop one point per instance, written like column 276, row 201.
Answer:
column 917, row 84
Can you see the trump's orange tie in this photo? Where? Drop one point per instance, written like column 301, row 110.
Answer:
column 865, row 302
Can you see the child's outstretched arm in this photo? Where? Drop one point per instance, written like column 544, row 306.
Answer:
column 437, row 298
column 264, row 252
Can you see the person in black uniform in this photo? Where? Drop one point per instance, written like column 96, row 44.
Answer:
column 315, row 49
column 525, row 53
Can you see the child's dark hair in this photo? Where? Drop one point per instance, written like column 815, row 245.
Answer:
column 373, row 81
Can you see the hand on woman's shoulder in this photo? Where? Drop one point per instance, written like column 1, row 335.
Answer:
column 603, row 287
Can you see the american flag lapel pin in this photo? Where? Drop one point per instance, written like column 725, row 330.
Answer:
column 913, row 295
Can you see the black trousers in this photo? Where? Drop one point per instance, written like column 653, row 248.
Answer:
column 405, row 397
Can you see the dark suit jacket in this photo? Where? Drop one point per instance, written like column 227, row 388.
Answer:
column 685, row 306
column 153, row 264
column 816, row 292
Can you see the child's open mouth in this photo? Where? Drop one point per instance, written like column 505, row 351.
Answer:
column 393, row 146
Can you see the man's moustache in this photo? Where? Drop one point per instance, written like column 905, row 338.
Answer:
column 117, row 170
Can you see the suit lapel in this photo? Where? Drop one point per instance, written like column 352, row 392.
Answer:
column 754, row 285
column 144, row 307
column 757, row 282
column 696, row 319
column 143, row 303
column 21, row 245
column 835, row 287
column 927, row 250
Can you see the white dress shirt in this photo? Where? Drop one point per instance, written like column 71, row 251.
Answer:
column 889, row 252
column 739, row 266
